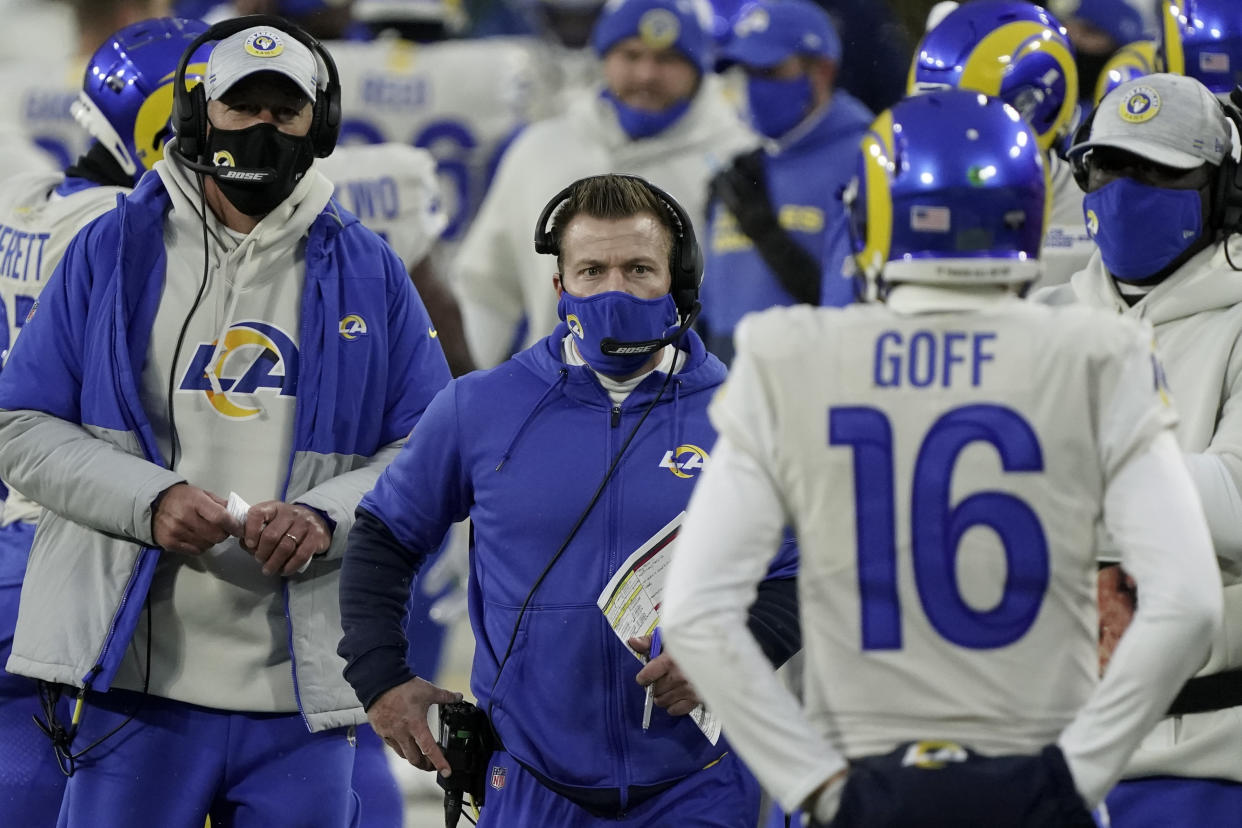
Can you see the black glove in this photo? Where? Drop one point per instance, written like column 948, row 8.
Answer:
column 742, row 188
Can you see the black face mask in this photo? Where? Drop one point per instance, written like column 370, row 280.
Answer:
column 258, row 166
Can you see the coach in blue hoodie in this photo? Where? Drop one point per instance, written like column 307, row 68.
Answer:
column 776, row 222
column 567, row 458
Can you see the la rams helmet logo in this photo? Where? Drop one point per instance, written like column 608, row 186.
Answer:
column 1093, row 223
column 659, row 28
column 152, row 124
column 685, row 461
column 254, row 358
column 264, row 44
column 352, row 326
column 933, row 755
column 575, row 326
column 223, row 158
column 1140, row 105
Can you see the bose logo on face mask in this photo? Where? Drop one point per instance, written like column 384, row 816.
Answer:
column 244, row 175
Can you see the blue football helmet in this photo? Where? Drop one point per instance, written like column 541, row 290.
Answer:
column 952, row 188
column 1134, row 60
column 127, row 93
column 1012, row 50
column 1203, row 39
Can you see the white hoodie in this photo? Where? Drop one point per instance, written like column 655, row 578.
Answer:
column 1197, row 317
column 222, row 638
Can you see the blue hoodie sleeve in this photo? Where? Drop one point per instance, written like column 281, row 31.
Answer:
column 399, row 523
column 414, row 351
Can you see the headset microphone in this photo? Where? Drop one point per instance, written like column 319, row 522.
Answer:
column 614, row 347
column 252, row 175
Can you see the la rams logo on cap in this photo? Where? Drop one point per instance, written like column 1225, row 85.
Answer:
column 1093, row 223
column 352, row 326
column 575, row 326
column 264, row 44
column 223, row 158
column 1140, row 105
column 255, row 359
column 659, row 28
column 754, row 21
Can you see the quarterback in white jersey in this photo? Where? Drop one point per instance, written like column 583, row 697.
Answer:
column 944, row 458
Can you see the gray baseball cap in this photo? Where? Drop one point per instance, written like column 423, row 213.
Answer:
column 1169, row 119
column 260, row 49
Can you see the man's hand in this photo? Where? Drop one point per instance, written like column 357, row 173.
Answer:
column 399, row 716
column 283, row 537
column 671, row 689
column 1117, row 599
column 190, row 520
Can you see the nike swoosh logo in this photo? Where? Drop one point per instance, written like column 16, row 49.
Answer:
column 433, row 333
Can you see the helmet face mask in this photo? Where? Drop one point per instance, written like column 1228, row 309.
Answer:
column 1008, row 49
column 1203, row 39
column 127, row 93
column 952, row 189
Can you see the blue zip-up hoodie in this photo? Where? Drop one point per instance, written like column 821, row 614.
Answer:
column 74, row 436
column 804, row 181
column 521, row 449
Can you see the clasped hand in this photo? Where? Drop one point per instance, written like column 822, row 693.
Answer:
column 283, row 537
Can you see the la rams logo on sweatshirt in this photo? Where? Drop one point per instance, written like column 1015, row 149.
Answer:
column 254, row 359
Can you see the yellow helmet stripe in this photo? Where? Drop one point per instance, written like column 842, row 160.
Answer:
column 1174, row 55
column 878, row 166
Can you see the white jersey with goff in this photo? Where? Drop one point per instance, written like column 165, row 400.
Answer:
column 952, row 580
column 36, row 226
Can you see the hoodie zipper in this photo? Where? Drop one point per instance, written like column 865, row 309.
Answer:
column 616, row 415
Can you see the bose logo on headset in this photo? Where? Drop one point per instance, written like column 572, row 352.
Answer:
column 189, row 112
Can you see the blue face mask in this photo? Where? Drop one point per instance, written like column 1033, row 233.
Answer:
column 777, row 106
column 639, row 123
column 1141, row 229
column 620, row 316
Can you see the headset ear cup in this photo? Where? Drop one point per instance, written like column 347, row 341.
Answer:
column 1077, row 160
column 192, row 125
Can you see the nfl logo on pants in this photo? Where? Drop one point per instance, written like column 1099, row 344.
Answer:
column 498, row 777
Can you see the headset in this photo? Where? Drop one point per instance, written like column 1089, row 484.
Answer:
column 686, row 260
column 189, row 112
column 1225, row 198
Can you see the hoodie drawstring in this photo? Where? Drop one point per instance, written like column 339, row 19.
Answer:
column 562, row 375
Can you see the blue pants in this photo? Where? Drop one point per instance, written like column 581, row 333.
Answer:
column 380, row 802
column 972, row 792
column 725, row 795
column 31, row 783
column 1173, row 802
column 176, row 763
